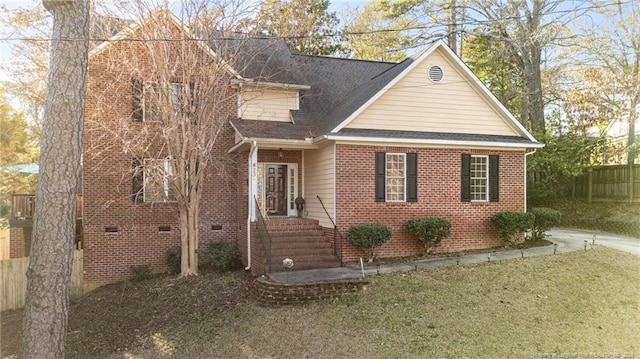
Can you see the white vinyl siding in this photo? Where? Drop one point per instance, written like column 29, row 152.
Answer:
column 319, row 180
column 417, row 104
column 267, row 105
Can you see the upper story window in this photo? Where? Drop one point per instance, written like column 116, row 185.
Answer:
column 151, row 98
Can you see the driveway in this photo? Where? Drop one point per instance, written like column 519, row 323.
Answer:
column 573, row 239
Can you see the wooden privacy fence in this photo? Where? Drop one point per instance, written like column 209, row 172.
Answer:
column 610, row 183
column 4, row 243
column 13, row 280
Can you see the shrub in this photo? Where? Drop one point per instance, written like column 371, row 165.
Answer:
column 545, row 218
column 174, row 260
column 141, row 272
column 368, row 236
column 224, row 256
column 512, row 225
column 429, row 231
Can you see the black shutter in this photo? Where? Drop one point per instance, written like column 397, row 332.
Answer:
column 137, row 181
column 380, row 175
column 466, row 177
column 412, row 177
column 136, row 100
column 494, row 188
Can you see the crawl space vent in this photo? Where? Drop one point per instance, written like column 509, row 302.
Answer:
column 435, row 73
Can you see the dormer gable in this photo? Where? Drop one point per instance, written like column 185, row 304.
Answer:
column 268, row 101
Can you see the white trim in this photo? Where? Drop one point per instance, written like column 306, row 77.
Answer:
column 404, row 177
column 275, row 143
column 459, row 65
column 277, row 85
column 291, row 212
column 486, row 177
column 405, row 141
column 167, row 172
column 252, row 189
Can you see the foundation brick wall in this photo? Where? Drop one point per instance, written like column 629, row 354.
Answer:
column 439, row 195
column 111, row 141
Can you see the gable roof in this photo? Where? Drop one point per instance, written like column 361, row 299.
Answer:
column 472, row 80
column 333, row 91
column 341, row 89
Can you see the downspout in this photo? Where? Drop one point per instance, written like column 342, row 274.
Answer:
column 525, row 176
column 251, row 205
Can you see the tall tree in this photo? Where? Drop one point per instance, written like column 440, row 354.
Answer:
column 306, row 25
column 375, row 34
column 26, row 79
column 494, row 64
column 527, row 28
column 612, row 46
column 49, row 271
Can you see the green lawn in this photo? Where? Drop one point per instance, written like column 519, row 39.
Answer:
column 582, row 303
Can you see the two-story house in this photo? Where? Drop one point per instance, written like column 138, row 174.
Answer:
column 360, row 141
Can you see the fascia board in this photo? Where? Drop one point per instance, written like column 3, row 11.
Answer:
column 407, row 141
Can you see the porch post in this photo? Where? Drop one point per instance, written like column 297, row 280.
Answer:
column 253, row 180
column 252, row 190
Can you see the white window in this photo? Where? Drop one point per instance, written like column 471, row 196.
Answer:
column 479, row 178
column 157, row 177
column 395, row 177
column 153, row 100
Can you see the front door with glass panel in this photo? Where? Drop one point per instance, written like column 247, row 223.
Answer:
column 276, row 190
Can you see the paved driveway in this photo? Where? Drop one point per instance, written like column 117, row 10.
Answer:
column 572, row 239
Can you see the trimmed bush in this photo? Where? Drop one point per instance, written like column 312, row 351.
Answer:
column 174, row 260
column 224, row 256
column 368, row 236
column 545, row 218
column 141, row 272
column 512, row 225
column 429, row 231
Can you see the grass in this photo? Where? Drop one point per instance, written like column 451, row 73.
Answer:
column 581, row 302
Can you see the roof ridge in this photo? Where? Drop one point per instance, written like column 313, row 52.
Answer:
column 346, row 59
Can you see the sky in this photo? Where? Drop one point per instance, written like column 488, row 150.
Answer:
column 339, row 6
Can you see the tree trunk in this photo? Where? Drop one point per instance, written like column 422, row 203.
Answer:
column 188, row 221
column 48, row 275
column 536, row 104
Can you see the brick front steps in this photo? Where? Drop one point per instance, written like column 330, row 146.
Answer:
column 303, row 241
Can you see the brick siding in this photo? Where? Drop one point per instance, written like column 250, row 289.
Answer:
column 439, row 195
column 111, row 141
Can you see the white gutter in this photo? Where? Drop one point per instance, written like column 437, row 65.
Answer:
column 525, row 177
column 251, row 206
column 275, row 143
column 432, row 142
column 276, row 85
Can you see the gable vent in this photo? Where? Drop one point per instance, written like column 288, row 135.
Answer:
column 435, row 73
